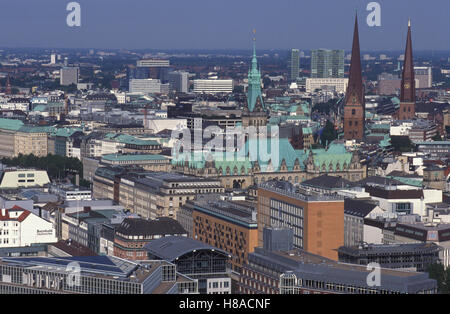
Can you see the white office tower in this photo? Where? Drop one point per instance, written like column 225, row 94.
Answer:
column 213, row 86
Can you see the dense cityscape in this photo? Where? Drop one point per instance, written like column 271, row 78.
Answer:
column 253, row 171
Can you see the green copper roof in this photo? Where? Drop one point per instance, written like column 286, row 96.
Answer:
column 407, row 181
column 10, row 124
column 131, row 140
column 335, row 155
column 254, row 83
column 277, row 151
column 66, row 132
column 37, row 129
column 137, row 157
column 40, row 108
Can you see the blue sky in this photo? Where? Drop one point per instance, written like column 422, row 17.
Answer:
column 224, row 24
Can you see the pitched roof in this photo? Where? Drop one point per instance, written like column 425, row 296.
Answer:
column 360, row 208
column 328, row 182
column 144, row 227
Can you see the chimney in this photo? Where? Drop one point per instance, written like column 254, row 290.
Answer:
column 3, row 211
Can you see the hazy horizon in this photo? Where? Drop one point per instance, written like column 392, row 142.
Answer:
column 223, row 25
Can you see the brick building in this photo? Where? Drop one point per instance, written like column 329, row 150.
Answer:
column 317, row 221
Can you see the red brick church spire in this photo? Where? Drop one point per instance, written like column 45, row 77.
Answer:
column 408, row 87
column 354, row 106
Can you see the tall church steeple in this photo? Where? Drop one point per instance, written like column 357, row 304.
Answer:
column 408, row 87
column 254, row 113
column 354, row 105
column 254, row 95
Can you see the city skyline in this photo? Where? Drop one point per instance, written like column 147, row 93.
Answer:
column 179, row 25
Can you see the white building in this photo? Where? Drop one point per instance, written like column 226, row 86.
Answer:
column 21, row 104
column 401, row 130
column 338, row 85
column 156, row 125
column 20, row 227
column 71, row 194
column 213, row 86
column 423, row 76
column 152, row 63
column 404, row 199
column 23, row 178
column 147, row 86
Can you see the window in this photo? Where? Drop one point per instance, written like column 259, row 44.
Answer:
column 353, row 111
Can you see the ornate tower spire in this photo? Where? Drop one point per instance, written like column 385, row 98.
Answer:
column 254, row 113
column 254, row 95
column 8, row 90
column 355, row 86
column 408, row 87
column 354, row 105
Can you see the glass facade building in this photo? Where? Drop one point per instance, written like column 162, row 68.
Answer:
column 327, row 63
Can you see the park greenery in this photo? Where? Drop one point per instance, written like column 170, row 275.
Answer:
column 57, row 167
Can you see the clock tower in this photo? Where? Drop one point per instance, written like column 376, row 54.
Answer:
column 354, row 105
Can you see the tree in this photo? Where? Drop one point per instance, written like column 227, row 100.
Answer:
column 441, row 275
column 329, row 133
column 437, row 137
column 402, row 144
column 238, row 89
column 325, row 107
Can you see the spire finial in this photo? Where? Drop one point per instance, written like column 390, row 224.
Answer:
column 409, row 22
column 254, row 42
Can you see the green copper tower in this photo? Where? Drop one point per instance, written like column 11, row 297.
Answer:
column 254, row 82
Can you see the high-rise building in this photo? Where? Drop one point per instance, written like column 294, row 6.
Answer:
column 327, row 63
column 388, row 84
column 69, row 75
column 354, row 105
column 179, row 81
column 408, row 87
column 317, row 222
column 424, row 77
column 294, row 64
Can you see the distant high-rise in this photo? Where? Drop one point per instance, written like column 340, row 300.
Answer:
column 294, row 64
column 69, row 75
column 179, row 81
column 408, row 87
column 424, row 77
column 354, row 105
column 327, row 63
